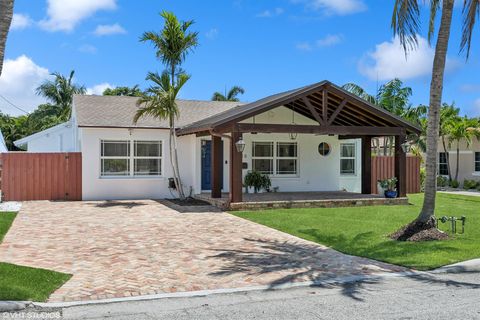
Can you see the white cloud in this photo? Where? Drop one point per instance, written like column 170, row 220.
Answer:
column 335, row 7
column 330, row 40
column 87, row 48
column 470, row 88
column 64, row 15
column 476, row 108
column 212, row 33
column 99, row 88
column 270, row 13
column 20, row 78
column 304, row 46
column 388, row 61
column 109, row 29
column 20, row 21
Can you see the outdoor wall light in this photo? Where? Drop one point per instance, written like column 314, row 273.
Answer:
column 240, row 145
column 293, row 135
column 406, row 147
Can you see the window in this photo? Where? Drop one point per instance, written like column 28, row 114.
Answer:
column 286, row 158
column 324, row 149
column 442, row 164
column 275, row 158
column 118, row 160
column 147, row 159
column 115, row 158
column 347, row 158
column 477, row 161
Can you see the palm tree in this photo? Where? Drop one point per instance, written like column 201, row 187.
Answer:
column 449, row 114
column 230, row 96
column 60, row 93
column 6, row 15
column 406, row 25
column 172, row 45
column 464, row 129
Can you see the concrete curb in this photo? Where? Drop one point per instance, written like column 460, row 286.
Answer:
column 189, row 294
column 460, row 267
column 10, row 306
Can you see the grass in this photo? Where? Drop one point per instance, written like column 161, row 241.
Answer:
column 363, row 231
column 25, row 283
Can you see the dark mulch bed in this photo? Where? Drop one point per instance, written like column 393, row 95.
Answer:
column 418, row 231
column 189, row 202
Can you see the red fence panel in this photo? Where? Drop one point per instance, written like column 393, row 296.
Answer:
column 41, row 176
column 383, row 167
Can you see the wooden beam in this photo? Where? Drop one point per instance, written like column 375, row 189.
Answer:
column 314, row 129
column 400, row 166
column 336, row 112
column 366, row 165
column 235, row 170
column 216, row 167
column 313, row 110
column 324, row 106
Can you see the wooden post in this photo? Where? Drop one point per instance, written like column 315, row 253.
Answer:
column 400, row 166
column 217, row 167
column 235, row 169
column 367, row 165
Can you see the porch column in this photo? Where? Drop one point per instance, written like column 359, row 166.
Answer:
column 235, row 169
column 400, row 166
column 367, row 165
column 217, row 167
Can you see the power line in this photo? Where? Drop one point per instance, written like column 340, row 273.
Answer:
column 13, row 105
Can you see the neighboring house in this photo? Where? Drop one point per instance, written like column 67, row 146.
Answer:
column 122, row 160
column 3, row 145
column 469, row 160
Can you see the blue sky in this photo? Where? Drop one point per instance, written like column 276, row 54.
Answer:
column 264, row 46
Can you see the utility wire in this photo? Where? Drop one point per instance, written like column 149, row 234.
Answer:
column 13, row 105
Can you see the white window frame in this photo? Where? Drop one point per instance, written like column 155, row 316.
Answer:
column 134, row 142
column 444, row 163
column 354, row 158
column 131, row 159
column 102, row 157
column 274, row 158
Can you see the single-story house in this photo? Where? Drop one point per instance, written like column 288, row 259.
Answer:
column 314, row 138
column 468, row 160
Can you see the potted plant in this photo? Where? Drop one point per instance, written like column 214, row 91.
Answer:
column 390, row 187
column 257, row 181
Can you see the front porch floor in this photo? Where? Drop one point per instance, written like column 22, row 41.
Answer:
column 319, row 199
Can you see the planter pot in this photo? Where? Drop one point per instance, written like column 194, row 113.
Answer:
column 380, row 190
column 390, row 194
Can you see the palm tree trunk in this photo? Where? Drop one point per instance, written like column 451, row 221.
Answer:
column 6, row 14
column 458, row 160
column 436, row 91
column 447, row 155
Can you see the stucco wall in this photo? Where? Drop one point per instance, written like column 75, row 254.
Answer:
column 60, row 140
column 466, row 168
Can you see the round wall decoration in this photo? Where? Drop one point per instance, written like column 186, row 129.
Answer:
column 324, row 149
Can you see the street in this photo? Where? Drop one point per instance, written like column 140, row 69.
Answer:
column 444, row 296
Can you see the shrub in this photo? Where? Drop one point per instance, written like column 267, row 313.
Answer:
column 442, row 181
column 389, row 184
column 470, row 184
column 257, row 180
column 423, row 174
column 454, row 184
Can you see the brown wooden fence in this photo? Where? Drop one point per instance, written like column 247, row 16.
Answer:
column 384, row 167
column 41, row 176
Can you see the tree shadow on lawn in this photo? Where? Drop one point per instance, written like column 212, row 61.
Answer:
column 300, row 262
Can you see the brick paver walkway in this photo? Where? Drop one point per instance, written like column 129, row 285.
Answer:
column 117, row 249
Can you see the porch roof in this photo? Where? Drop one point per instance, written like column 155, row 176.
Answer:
column 336, row 110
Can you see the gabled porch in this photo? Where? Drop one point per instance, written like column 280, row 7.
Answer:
column 327, row 114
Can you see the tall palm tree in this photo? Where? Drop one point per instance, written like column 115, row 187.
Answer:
column 406, row 25
column 6, row 15
column 230, row 96
column 172, row 44
column 60, row 93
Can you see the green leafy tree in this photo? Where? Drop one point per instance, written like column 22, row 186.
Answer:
column 172, row 44
column 124, row 91
column 59, row 93
column 406, row 25
column 6, row 15
column 449, row 114
column 232, row 94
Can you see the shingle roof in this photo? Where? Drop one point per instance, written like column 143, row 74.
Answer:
column 118, row 111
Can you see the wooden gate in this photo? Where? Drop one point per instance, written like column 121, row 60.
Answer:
column 41, row 176
column 384, row 167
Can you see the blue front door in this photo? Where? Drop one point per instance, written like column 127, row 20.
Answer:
column 207, row 165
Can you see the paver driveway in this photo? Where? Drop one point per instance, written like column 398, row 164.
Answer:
column 117, row 249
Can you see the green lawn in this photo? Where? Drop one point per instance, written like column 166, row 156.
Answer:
column 24, row 283
column 363, row 231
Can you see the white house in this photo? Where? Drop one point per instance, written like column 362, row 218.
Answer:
column 309, row 139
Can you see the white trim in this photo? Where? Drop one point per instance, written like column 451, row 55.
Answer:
column 354, row 158
column 454, row 152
